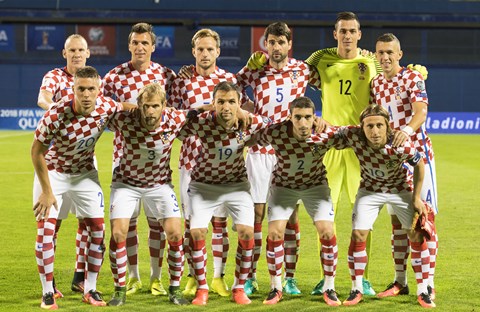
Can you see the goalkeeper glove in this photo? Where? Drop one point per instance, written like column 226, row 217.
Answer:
column 421, row 69
column 257, row 60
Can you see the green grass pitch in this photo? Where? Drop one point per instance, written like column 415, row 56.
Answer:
column 457, row 275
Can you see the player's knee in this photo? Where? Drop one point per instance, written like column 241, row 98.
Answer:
column 244, row 232
column 275, row 234
column 360, row 235
column 119, row 235
column 198, row 234
column 325, row 229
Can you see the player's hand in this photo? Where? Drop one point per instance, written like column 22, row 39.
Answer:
column 41, row 209
column 244, row 119
column 257, row 60
column 419, row 207
column 399, row 137
column 420, row 68
column 249, row 106
column 367, row 53
column 186, row 71
column 320, row 124
column 129, row 107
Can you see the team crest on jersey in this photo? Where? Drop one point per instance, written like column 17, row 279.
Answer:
column 294, row 77
column 165, row 137
column 391, row 164
column 362, row 68
column 398, row 93
column 240, row 135
column 316, row 151
column 101, row 123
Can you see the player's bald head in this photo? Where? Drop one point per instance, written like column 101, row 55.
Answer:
column 75, row 37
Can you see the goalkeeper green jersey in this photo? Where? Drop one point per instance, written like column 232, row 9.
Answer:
column 345, row 84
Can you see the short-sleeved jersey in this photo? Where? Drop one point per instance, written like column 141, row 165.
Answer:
column 124, row 82
column 345, row 84
column 382, row 170
column 221, row 160
column 71, row 137
column 191, row 93
column 145, row 160
column 273, row 90
column 58, row 82
column 397, row 95
column 299, row 163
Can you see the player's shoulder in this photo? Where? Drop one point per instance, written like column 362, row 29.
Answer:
column 56, row 72
column 297, row 64
column 162, row 68
column 58, row 110
column 118, row 70
column 318, row 55
column 106, row 102
column 223, row 74
column 410, row 74
column 378, row 79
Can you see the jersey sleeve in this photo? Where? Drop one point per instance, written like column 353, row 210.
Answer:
column 193, row 125
column 49, row 82
column 171, row 77
column 175, row 97
column 45, row 128
column 314, row 79
column 265, row 137
column 108, row 85
column 412, row 156
column 178, row 119
column 344, row 136
column 315, row 57
column 416, row 88
column 244, row 77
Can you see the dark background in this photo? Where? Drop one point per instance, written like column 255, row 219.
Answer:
column 443, row 35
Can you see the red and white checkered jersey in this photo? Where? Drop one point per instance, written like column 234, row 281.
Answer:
column 299, row 163
column 124, row 82
column 145, row 160
column 221, row 160
column 382, row 170
column 191, row 93
column 397, row 95
column 71, row 137
column 58, row 82
column 273, row 90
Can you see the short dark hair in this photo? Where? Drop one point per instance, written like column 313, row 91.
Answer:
column 302, row 102
column 226, row 86
column 375, row 110
column 346, row 16
column 388, row 37
column 278, row 29
column 141, row 28
column 87, row 72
